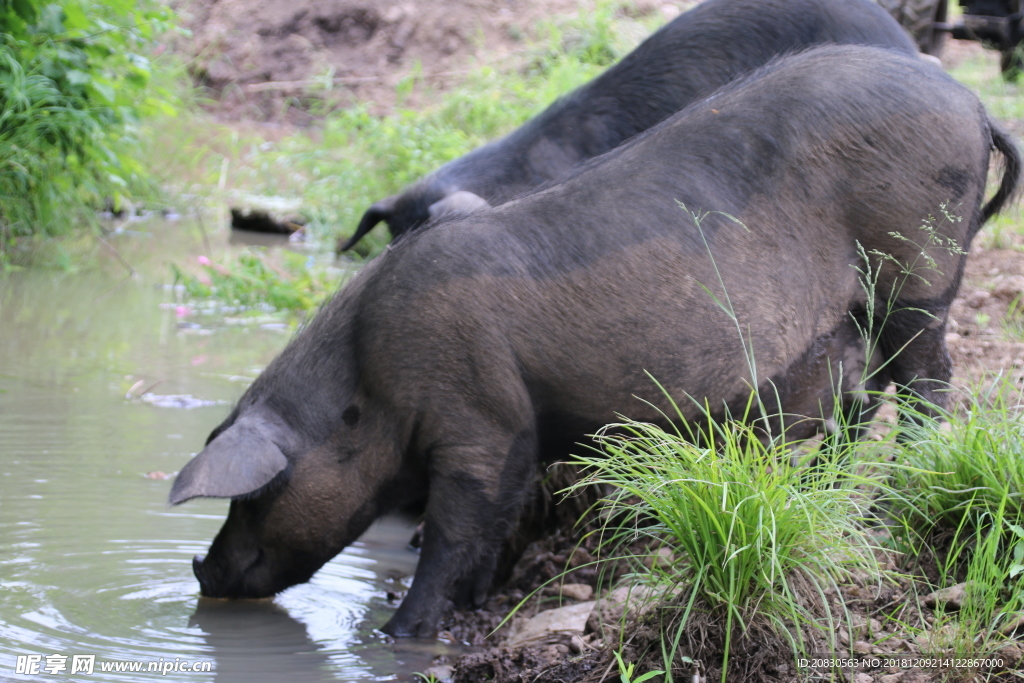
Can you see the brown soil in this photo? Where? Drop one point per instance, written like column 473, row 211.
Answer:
column 260, row 57
column 886, row 620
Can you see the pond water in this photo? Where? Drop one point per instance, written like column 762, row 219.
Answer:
column 104, row 388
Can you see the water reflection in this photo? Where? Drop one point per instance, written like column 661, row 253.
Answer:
column 257, row 640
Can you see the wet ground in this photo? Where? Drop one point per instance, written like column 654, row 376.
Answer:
column 106, row 390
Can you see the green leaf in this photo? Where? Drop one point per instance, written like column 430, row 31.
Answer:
column 26, row 10
column 76, row 77
column 103, row 89
column 74, row 16
column 647, row 676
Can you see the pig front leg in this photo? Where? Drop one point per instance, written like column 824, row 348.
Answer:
column 470, row 512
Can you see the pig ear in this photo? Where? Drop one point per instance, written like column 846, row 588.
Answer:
column 240, row 460
column 462, row 202
column 380, row 211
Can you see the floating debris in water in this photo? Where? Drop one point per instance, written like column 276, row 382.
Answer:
column 157, row 474
column 184, row 401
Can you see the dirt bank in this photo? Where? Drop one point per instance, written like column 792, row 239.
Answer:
column 261, row 58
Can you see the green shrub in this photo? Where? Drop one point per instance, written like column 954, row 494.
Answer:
column 74, row 81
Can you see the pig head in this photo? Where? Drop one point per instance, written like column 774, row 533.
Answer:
column 299, row 494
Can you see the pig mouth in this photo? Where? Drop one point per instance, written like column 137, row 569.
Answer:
column 214, row 584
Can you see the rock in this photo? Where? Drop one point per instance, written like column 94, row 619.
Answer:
column 645, row 7
column 864, row 678
column 951, row 597
column 890, row 678
column 266, row 214
column 952, row 337
column 662, row 557
column 1014, row 624
column 569, row 620
column 865, row 630
column 577, row 644
column 1009, row 288
column 631, row 601
column 442, row 674
column 863, row 647
column 1012, row 654
column 576, row 591
column 580, row 557
column 977, row 298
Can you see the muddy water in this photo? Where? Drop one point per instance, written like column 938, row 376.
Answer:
column 103, row 391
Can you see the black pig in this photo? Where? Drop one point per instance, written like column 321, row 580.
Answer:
column 685, row 60
column 448, row 373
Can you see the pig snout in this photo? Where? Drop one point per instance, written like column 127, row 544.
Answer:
column 211, row 584
column 197, row 569
column 236, row 580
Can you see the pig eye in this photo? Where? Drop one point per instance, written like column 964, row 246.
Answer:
column 350, row 416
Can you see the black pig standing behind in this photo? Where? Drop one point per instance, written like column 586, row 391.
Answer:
column 701, row 50
column 467, row 353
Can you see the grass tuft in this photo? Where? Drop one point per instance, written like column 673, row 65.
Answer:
column 752, row 539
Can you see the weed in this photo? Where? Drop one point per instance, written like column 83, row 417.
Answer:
column 626, row 671
column 1013, row 321
column 255, row 281
column 958, row 497
column 752, row 539
column 982, row 319
column 974, row 464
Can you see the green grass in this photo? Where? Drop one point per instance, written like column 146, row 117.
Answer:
column 973, row 464
column 257, row 280
column 980, row 73
column 957, row 497
column 752, row 539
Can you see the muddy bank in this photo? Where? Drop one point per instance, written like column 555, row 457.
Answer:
column 570, row 626
column 260, row 58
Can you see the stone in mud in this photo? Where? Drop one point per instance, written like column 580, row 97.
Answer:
column 274, row 215
column 575, row 591
column 977, row 298
column 442, row 673
column 1009, row 288
column 1012, row 654
column 1015, row 624
column 542, row 627
column 950, row 597
column 623, row 604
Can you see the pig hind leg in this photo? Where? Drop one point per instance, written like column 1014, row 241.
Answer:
column 913, row 339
